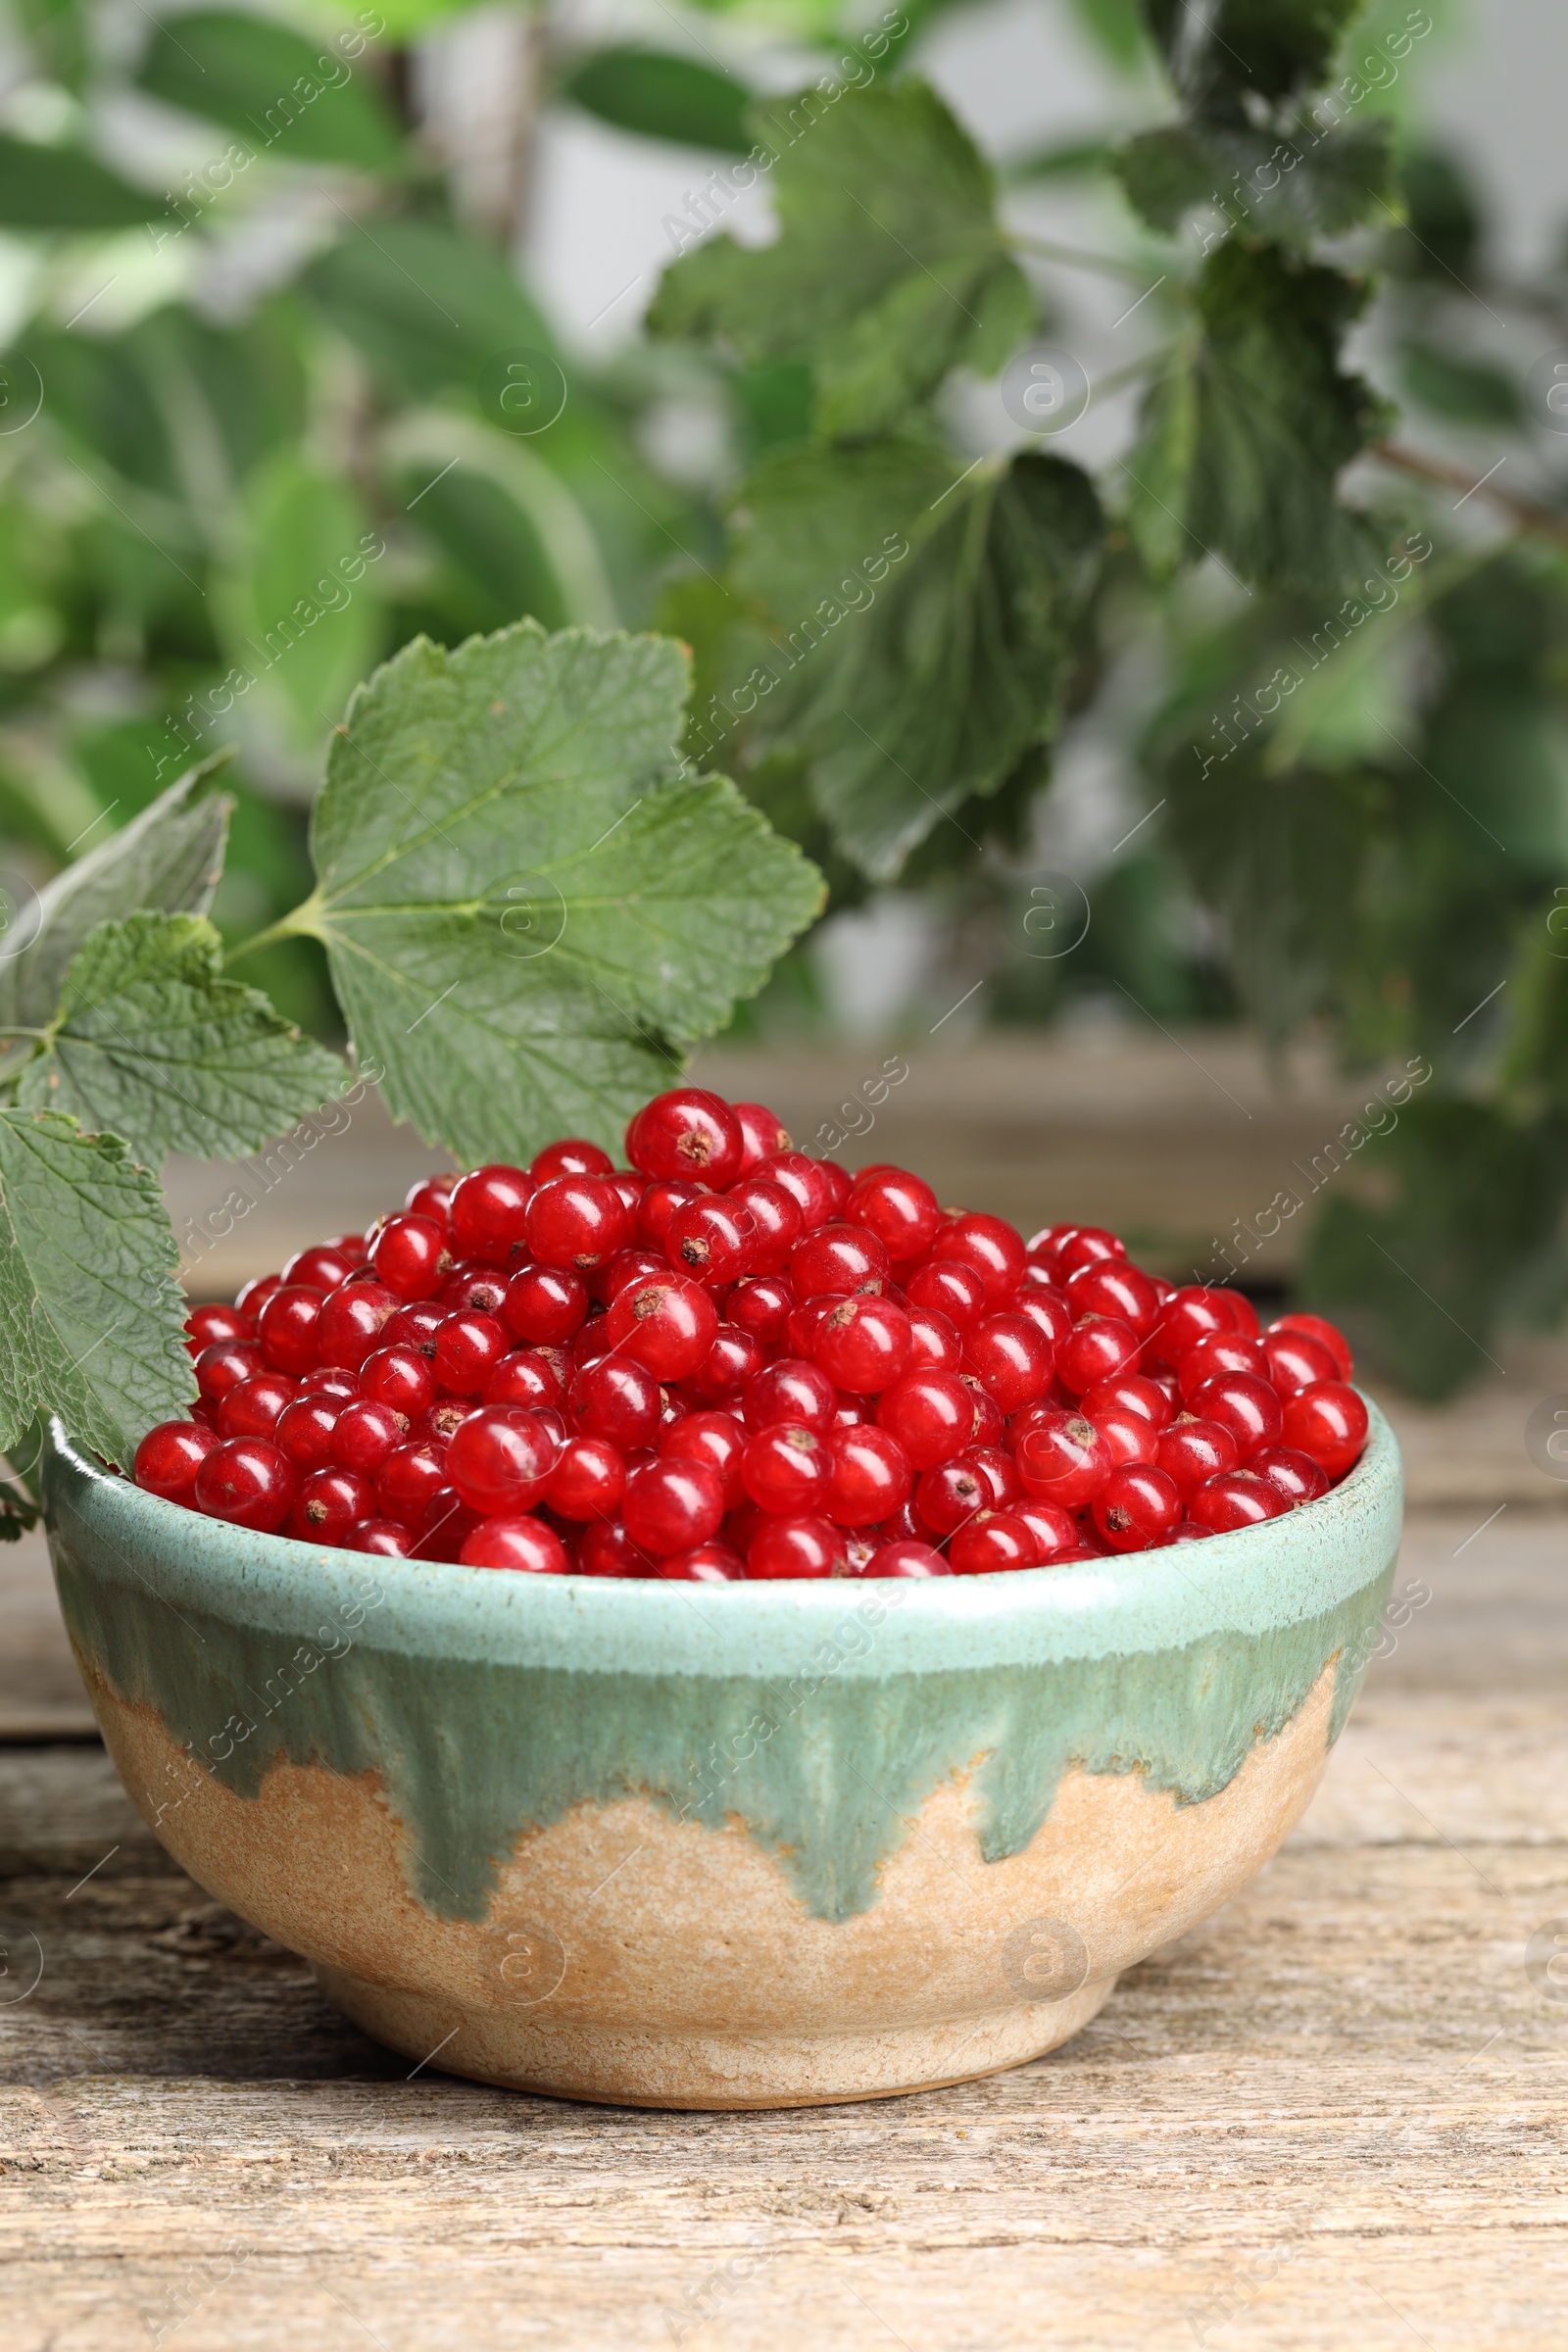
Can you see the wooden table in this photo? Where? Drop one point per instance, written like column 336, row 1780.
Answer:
column 1332, row 2117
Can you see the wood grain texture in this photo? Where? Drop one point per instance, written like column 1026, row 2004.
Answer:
column 1333, row 2117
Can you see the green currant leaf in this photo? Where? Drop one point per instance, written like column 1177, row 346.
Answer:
column 529, row 919
column 1242, row 434
column 1264, row 48
column 91, row 1314
column 921, row 625
column 662, row 96
column 1305, row 184
column 167, row 858
column 890, row 269
column 152, row 1042
column 299, row 100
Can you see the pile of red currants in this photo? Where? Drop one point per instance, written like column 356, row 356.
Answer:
column 733, row 1360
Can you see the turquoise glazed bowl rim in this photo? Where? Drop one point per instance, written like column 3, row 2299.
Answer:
column 1248, row 1582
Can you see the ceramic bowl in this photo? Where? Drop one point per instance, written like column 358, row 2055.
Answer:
column 712, row 1846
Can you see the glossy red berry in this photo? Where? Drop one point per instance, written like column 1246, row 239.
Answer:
column 1299, row 1478
column 401, row 1376
column 993, row 1540
column 931, row 1414
column 1130, row 1435
column 576, row 1221
column 603, row 1548
column 657, row 1205
column 710, row 1240
column 990, row 1245
column 224, row 1365
column 500, row 1460
column 773, row 1220
column 714, row 1438
column 1243, row 1313
column 414, row 1326
column 1086, row 1246
column 935, row 1344
column 1063, row 1458
column 431, row 1198
column 786, row 1468
column 257, row 1291
column 616, row 1400
column 1137, row 1508
column 467, row 1349
column 248, row 1482
column 329, row 1503
column 525, row 1377
column 901, row 1210
column 204, row 1326
column 1129, row 1393
column 790, row 1389
column 1112, row 1286
column 588, row 1480
column 1328, row 1421
column 870, row 1478
column 1192, row 1452
column 349, row 1325
column 688, row 1133
column 572, row 1156
column 808, row 1183
column 667, row 1325
column 439, row 1422
column 905, row 1556
column 489, row 1212
column 1047, row 1310
column 383, row 1539
column 252, row 1407
column 956, row 1290
column 835, row 1260
column 169, row 1458
column 1010, row 1358
column 1312, row 1327
column 445, row 1528
column 304, row 1431
column 710, row 1563
column 411, row 1256
column 472, row 1288
column 1236, row 1499
column 1244, row 1405
column 1100, row 1348
column 764, row 1134
column 762, row 1307
column 1055, row 1529
column 545, row 1305
column 733, row 1359
column 671, row 1505
column 626, row 1267
column 795, row 1547
column 517, row 1542
column 1190, row 1314
column 288, row 1326
column 862, row 1345
column 365, row 1434
column 949, row 1495
column 408, row 1481
column 1295, row 1359
column 1222, row 1351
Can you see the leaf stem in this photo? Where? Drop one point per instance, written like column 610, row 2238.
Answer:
column 288, row 926
column 1526, row 514
column 1076, row 257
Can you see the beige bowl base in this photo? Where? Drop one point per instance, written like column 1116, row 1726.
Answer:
column 613, row 2067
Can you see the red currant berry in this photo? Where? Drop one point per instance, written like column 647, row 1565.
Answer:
column 1129, row 1393
column 588, row 1480
column 1189, row 1531
column 545, row 1305
column 1130, row 1436
column 667, row 1325
column 948, row 1496
column 439, row 1422
column 383, row 1539
column 658, row 1203
column 710, row 1563
column 431, row 1198
column 905, row 1556
column 671, row 1505
column 1055, row 1529
column 862, row 1345
column 733, row 1359
column 956, row 1290
column 603, row 1548
column 764, row 1134
column 997, row 1467
column 399, row 1377
column 1243, row 1313
column 365, row 1433
column 569, row 1157
column 1244, row 1405
column 206, row 1326
column 1312, row 1327
column 304, row 1432
column 408, row 1481
column 349, row 1325
column 517, row 1542
column 797, row 1548
column 626, row 1267
column 1138, row 1507
column 1236, row 1499
column 1098, row 1349
column 467, row 1349
column 992, row 1541
column 800, row 1333
column 618, row 1400
column 169, row 1458
column 577, row 1222
column 808, row 1183
column 525, row 1377
column 411, row 1256
column 255, row 1294
column 415, row 1327
column 288, row 1327
column 320, row 1268
column 786, row 1468
column 762, row 1307
column 489, row 1211
column 329, row 1503
column 870, row 1477
column 247, row 1481
column 445, row 1528
column 688, row 1133
column 224, row 1365
column 1063, row 1458
column 1010, row 1358
column 772, row 1221
column 715, row 1439
column 1086, row 1246
column 252, row 1407
column 1191, row 1451
column 901, row 1210
column 472, row 1288
column 931, row 1414
column 990, row 1245
column 935, row 1345
column 835, row 1260
column 1222, row 1351
column 1295, row 1359
column 790, row 1389
column 500, row 1460
column 1298, row 1477
column 1328, row 1421
column 1047, row 1310
column 711, row 1239
column 1187, row 1316
column 1112, row 1286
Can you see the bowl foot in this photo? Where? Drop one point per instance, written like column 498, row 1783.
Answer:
column 631, row 2067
